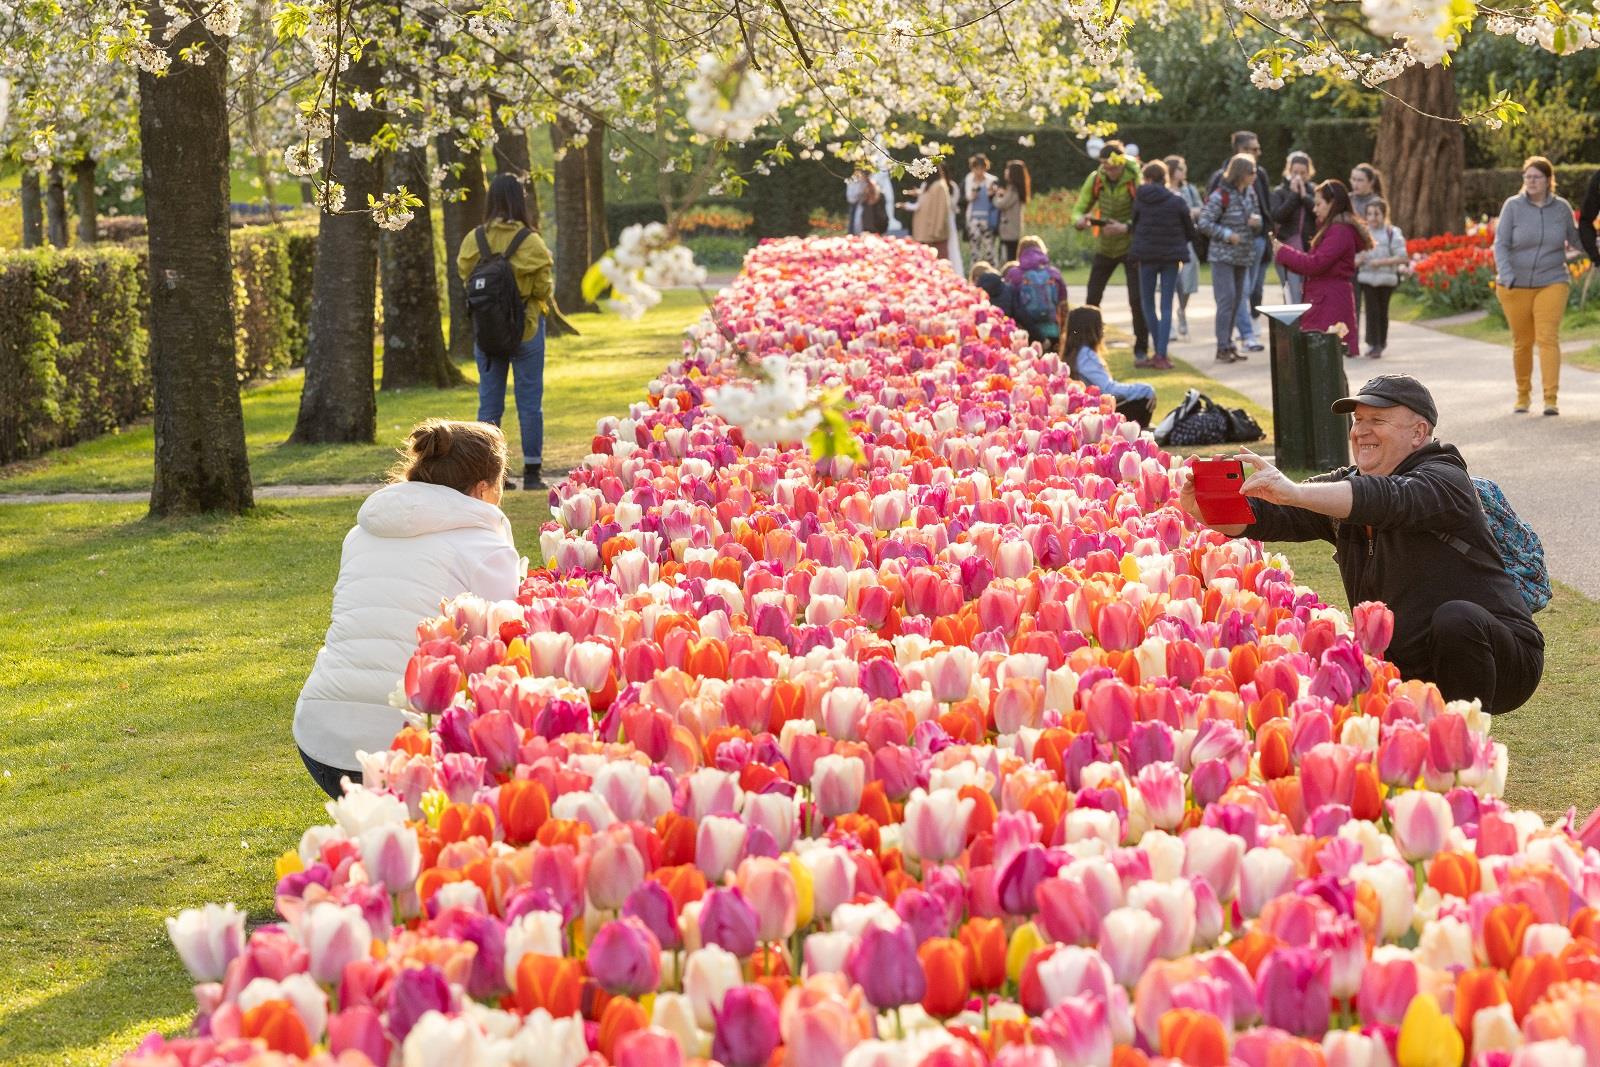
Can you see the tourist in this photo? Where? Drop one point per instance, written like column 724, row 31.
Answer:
column 1189, row 274
column 1408, row 530
column 983, row 217
column 1011, row 196
column 994, row 286
column 506, row 222
column 1108, row 195
column 1136, row 401
column 434, row 532
column 1531, row 280
column 1329, row 264
column 1162, row 232
column 1039, row 292
column 1247, row 143
column 1378, row 273
column 873, row 211
column 1231, row 218
column 1366, row 183
column 934, row 221
column 1293, row 217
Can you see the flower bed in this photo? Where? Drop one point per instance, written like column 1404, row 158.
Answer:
column 974, row 752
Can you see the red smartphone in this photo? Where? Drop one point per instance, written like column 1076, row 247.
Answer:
column 1217, row 481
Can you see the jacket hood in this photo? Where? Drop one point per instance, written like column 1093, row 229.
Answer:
column 1031, row 258
column 1432, row 451
column 1151, row 194
column 410, row 509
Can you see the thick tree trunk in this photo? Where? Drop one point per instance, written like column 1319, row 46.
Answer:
column 413, row 335
column 200, row 458
column 1422, row 158
column 32, row 209
column 55, row 206
column 88, row 203
column 463, row 170
column 594, row 155
column 572, row 219
column 511, row 144
column 338, row 404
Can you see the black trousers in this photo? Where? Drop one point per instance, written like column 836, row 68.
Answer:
column 1474, row 654
column 1100, row 270
column 1141, row 410
column 1008, row 251
column 1375, row 298
column 327, row 776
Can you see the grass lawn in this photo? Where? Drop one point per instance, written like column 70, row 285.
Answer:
column 596, row 374
column 1580, row 329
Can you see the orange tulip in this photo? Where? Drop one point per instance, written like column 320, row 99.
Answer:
column 563, row 832
column 1252, row 949
column 1128, row 1056
column 1003, row 1032
column 524, row 807
column 554, row 983
column 863, row 828
column 622, row 1016
column 985, row 941
column 1194, row 1037
column 677, row 833
column 1503, row 929
column 279, row 1025
column 1368, row 800
column 1531, row 976
column 1585, row 923
column 983, row 812
column 462, row 822
column 412, row 740
column 875, row 803
column 1481, row 987
column 1272, row 741
column 430, row 880
column 684, row 883
column 1270, row 706
column 944, row 962
column 1455, row 874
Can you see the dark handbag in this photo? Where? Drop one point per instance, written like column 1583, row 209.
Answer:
column 1196, row 421
column 1242, row 426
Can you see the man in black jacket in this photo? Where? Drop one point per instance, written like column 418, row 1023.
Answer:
column 1460, row 620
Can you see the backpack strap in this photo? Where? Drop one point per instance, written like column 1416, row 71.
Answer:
column 516, row 243
column 1468, row 550
column 483, row 243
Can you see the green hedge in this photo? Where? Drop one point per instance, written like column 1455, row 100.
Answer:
column 1484, row 191
column 74, row 350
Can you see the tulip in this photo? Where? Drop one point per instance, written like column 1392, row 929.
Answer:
column 1374, row 626
column 614, row 869
column 650, row 1047
column 1194, row 1038
column 1504, row 928
column 1160, row 785
column 746, row 1027
column 833, row 878
column 769, row 887
column 884, row 964
column 821, row 1021
column 1293, row 988
column 718, row 845
column 944, row 964
column 1214, row 855
column 1557, row 1052
column 707, row 976
column 653, row 906
column 625, row 958
column 208, row 939
column 431, row 683
column 1128, row 941
column 553, row 983
column 419, row 990
column 1427, row 1037
column 1264, row 874
column 935, row 827
column 390, row 856
column 985, row 942
column 1078, row 1031
column 836, row 784
column 726, row 919
column 524, row 807
column 1065, row 911
column 276, row 1024
column 334, row 935
column 358, row 1028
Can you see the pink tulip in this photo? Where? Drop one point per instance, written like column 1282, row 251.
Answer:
column 1328, row 775
column 208, row 939
column 1374, row 626
column 1118, row 626
column 431, row 683
column 935, row 827
column 613, row 867
column 1110, row 707
column 768, row 886
column 719, row 843
column 1216, row 856
column 1450, row 744
column 334, row 935
column 1292, row 986
column 1160, row 786
column 1421, row 821
column 746, row 1027
column 1264, row 874
column 358, row 1028
column 836, row 783
column 1078, row 1031
column 1402, row 751
column 1065, row 913
column 1128, row 941
column 1173, row 904
column 821, row 1021
column 650, row 1047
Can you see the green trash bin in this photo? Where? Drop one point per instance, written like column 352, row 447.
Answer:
column 1307, row 377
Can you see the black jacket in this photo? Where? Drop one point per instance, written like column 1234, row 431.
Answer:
column 1586, row 216
column 1294, row 215
column 1389, row 549
column 1162, row 226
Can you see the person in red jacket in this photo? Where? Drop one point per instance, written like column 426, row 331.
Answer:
column 1330, row 263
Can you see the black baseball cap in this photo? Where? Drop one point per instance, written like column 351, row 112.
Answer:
column 1392, row 390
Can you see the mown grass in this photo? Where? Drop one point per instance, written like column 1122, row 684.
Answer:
column 586, row 377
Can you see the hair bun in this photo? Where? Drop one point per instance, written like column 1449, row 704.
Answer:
column 431, row 440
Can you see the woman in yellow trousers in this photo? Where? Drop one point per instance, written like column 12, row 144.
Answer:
column 1531, row 240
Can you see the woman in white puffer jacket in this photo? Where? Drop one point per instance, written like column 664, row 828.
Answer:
column 434, row 532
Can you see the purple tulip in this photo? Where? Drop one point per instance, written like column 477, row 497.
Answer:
column 746, row 1027
column 652, row 905
column 487, row 979
column 1293, row 990
column 625, row 958
column 416, row 991
column 726, row 920
column 884, row 964
column 923, row 912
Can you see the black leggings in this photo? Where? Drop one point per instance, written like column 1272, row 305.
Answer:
column 1475, row 654
column 327, row 776
column 1101, row 268
column 1008, row 251
column 1375, row 298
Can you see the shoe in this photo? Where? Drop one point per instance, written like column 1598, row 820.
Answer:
column 508, row 486
column 1254, row 345
column 1227, row 355
column 1375, row 353
column 1351, row 355
column 1551, row 410
column 1521, row 408
column 1183, row 331
column 1240, row 357
column 531, row 478
column 1161, row 363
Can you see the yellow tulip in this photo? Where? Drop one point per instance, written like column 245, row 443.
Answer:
column 288, row 863
column 1024, row 943
column 1427, row 1036
column 804, row 892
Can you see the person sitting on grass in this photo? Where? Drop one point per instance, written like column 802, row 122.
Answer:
column 435, row 531
column 1408, row 529
column 1039, row 292
column 1086, row 331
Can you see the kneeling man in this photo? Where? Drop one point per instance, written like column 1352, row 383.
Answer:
column 1394, row 519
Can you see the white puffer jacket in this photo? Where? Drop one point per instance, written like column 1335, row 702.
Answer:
column 413, row 545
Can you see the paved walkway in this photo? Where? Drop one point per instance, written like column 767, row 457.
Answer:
column 1545, row 465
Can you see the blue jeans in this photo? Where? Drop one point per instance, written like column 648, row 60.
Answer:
column 1293, row 285
column 1160, row 324
column 1230, row 286
column 1252, row 291
column 528, row 388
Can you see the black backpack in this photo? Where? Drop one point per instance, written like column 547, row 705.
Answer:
column 499, row 316
column 1199, row 420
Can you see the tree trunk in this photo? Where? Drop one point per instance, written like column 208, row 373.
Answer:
column 572, row 219
column 55, row 206
column 463, row 170
column 200, row 459
column 594, row 155
column 88, row 202
column 338, row 404
column 413, row 335
column 32, row 208
column 1422, row 158
column 511, row 144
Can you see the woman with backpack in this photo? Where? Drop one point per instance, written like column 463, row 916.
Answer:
column 1230, row 219
column 1189, row 274
column 983, row 217
column 508, row 273
column 1329, row 264
column 1378, row 273
column 1010, row 196
column 1039, row 292
column 1136, row 401
column 1162, row 231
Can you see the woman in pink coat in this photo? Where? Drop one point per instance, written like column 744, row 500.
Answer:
column 1329, row 264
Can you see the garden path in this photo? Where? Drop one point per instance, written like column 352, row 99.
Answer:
column 1545, row 465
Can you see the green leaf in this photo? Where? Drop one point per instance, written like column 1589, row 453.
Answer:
column 595, row 282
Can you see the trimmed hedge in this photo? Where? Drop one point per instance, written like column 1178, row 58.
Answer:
column 74, row 348
column 1484, row 191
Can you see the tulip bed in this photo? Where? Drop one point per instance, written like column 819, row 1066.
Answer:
column 974, row 752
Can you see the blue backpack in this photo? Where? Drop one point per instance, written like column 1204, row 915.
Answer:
column 1036, row 301
column 1521, row 552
